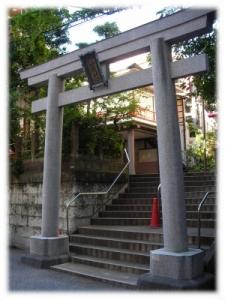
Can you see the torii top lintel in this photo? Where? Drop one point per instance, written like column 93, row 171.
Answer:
column 177, row 27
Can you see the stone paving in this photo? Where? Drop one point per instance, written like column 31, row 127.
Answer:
column 23, row 277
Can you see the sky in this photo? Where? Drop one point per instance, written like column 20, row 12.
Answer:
column 127, row 19
column 130, row 18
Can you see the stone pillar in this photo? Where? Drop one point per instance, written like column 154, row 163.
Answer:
column 131, row 151
column 49, row 244
column 170, row 161
column 52, row 160
column 174, row 265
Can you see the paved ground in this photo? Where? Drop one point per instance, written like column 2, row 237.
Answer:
column 23, row 277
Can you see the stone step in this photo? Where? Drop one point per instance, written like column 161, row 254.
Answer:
column 128, row 244
column 153, row 180
column 125, row 214
column 110, row 264
column 110, row 253
column 199, row 181
column 121, row 221
column 196, row 201
column 152, row 175
column 186, row 183
column 142, row 233
column 187, row 176
column 111, row 276
column 186, row 189
column 128, row 207
column 206, row 207
column 144, row 194
column 200, row 173
column 146, row 199
column 116, row 247
column 208, row 223
column 136, row 207
column 147, row 214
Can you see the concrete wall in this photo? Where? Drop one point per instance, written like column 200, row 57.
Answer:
column 25, row 204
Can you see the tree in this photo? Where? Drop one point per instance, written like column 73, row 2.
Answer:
column 93, row 121
column 99, row 127
column 168, row 10
column 196, row 153
column 107, row 30
column 30, row 46
column 81, row 45
column 36, row 36
column 86, row 14
column 205, row 83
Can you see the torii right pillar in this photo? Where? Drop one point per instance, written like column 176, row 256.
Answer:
column 175, row 265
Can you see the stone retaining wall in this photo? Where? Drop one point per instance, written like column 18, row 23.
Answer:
column 25, row 205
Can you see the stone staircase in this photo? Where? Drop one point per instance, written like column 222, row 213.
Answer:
column 116, row 246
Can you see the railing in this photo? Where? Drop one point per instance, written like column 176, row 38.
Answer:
column 159, row 192
column 94, row 193
column 140, row 112
column 199, row 211
column 144, row 113
column 199, row 219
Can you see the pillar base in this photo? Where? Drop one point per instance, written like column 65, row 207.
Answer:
column 47, row 251
column 157, row 283
column 176, row 270
column 177, row 265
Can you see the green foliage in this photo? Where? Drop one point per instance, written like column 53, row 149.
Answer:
column 98, row 120
column 118, row 107
column 103, row 136
column 107, row 30
column 167, row 11
column 97, row 139
column 38, row 35
column 81, row 45
column 31, row 39
column 195, row 153
column 17, row 167
column 14, row 114
column 31, row 42
column 98, row 124
column 193, row 128
column 205, row 83
column 74, row 82
column 88, row 14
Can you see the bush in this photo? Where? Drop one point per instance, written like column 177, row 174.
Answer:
column 195, row 153
column 17, row 167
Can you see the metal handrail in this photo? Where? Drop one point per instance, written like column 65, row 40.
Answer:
column 159, row 192
column 199, row 219
column 94, row 193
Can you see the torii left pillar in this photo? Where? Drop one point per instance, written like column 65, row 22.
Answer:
column 49, row 248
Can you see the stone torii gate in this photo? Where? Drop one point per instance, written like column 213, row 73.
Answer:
column 175, row 260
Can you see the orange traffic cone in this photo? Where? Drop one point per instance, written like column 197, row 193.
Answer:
column 155, row 213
